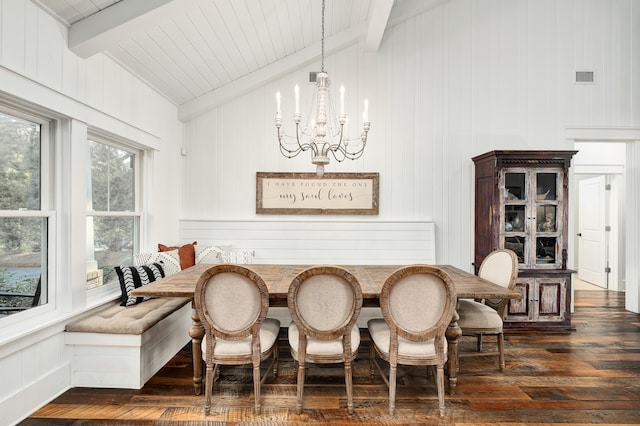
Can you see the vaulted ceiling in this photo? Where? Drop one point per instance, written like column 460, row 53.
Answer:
column 201, row 53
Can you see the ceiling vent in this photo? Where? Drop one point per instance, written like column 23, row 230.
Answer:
column 587, row 77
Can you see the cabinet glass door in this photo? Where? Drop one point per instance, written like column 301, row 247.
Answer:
column 515, row 235
column 530, row 214
column 546, row 218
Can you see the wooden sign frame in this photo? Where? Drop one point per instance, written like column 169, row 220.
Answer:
column 306, row 193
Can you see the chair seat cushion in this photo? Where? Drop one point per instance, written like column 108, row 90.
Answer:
column 475, row 315
column 268, row 336
column 381, row 336
column 323, row 347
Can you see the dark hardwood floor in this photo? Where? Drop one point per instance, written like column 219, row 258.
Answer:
column 590, row 375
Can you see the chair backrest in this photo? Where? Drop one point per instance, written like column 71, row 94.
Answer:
column 37, row 293
column 324, row 301
column 232, row 301
column 500, row 267
column 417, row 302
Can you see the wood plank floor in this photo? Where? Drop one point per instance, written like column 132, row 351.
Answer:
column 590, row 375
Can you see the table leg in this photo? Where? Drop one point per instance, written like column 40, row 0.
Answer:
column 197, row 333
column 453, row 333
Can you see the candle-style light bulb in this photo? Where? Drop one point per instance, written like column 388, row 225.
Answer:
column 342, row 99
column 278, row 104
column 296, row 90
column 365, row 114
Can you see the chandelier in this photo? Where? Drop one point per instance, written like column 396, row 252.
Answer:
column 327, row 132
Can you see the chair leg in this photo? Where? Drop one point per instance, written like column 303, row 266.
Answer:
column 256, row 386
column 349, row 383
column 216, row 372
column 208, row 389
column 393, row 370
column 300, row 386
column 501, row 351
column 479, row 343
column 440, row 379
column 372, row 358
column 276, row 357
column 430, row 370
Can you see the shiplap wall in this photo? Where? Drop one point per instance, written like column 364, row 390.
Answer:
column 316, row 242
column 458, row 80
column 301, row 242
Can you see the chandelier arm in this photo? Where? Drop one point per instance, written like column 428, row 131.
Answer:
column 304, row 146
column 346, row 154
column 288, row 153
column 284, row 151
column 352, row 155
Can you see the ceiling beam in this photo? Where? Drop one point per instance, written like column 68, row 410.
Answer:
column 268, row 73
column 105, row 29
column 404, row 10
column 380, row 12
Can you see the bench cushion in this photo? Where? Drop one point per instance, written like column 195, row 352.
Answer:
column 135, row 319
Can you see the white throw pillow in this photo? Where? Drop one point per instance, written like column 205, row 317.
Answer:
column 237, row 256
column 170, row 260
column 210, row 254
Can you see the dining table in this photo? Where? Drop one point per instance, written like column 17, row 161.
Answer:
column 278, row 277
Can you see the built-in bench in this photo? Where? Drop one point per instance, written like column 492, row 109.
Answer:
column 123, row 347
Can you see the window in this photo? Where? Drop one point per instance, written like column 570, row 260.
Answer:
column 113, row 217
column 24, row 215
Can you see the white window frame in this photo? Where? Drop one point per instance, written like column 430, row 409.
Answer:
column 113, row 287
column 46, row 212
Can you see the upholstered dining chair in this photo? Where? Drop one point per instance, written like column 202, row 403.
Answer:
column 417, row 304
column 232, row 302
column 480, row 318
column 324, row 303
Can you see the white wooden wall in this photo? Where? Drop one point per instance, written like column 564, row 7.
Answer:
column 301, row 242
column 461, row 79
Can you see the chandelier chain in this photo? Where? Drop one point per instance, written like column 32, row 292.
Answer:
column 322, row 63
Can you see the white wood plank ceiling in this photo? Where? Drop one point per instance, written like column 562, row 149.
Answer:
column 200, row 53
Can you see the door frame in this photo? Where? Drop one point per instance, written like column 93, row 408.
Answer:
column 631, row 136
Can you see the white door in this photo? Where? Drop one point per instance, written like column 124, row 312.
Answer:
column 591, row 231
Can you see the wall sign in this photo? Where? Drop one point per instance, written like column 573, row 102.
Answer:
column 306, row 193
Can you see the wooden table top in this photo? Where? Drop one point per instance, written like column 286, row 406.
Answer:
column 370, row 277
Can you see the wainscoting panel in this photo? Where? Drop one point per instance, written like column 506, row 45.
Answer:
column 319, row 242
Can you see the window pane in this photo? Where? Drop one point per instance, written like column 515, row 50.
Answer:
column 546, row 186
column 546, row 250
column 546, row 218
column 517, row 244
column 114, row 243
column 112, row 178
column 514, row 185
column 23, row 243
column 19, row 164
column 514, row 218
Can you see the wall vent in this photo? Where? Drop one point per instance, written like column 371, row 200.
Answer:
column 585, row 77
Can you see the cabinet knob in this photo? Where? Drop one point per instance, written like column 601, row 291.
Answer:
column 579, row 234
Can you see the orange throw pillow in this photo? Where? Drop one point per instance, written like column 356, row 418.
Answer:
column 187, row 253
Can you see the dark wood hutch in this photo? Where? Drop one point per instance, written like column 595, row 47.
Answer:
column 521, row 203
